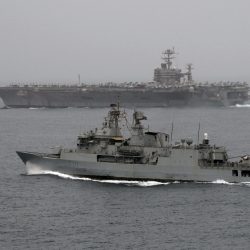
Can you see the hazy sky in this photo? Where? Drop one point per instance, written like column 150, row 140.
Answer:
column 116, row 40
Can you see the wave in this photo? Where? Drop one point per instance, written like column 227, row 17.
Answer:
column 34, row 108
column 242, row 106
column 221, row 181
column 246, row 183
column 129, row 183
column 34, row 169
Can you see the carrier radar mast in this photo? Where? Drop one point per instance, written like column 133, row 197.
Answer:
column 169, row 75
column 168, row 55
column 189, row 68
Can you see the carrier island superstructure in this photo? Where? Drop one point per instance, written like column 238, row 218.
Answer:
column 169, row 75
column 171, row 88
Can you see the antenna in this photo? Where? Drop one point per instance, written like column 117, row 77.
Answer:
column 198, row 135
column 172, row 129
column 79, row 79
column 167, row 56
column 189, row 68
column 118, row 102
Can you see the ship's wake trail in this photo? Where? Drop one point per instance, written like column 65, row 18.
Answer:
column 223, row 182
column 33, row 169
column 129, row 183
column 220, row 181
column 34, row 108
column 242, row 106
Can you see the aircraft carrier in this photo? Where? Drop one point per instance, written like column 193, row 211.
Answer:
column 171, row 88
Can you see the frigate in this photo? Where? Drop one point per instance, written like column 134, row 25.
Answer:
column 105, row 153
column 171, row 88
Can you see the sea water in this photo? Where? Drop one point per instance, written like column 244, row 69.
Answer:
column 51, row 210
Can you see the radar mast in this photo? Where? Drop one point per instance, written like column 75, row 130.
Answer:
column 189, row 68
column 168, row 56
column 169, row 75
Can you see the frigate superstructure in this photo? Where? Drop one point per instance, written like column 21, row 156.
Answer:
column 106, row 153
column 171, row 88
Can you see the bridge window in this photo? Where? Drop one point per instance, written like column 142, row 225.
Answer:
column 245, row 173
column 234, row 172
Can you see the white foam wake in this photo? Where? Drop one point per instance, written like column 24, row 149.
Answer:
column 65, row 176
column 33, row 169
column 34, row 108
column 130, row 183
column 246, row 183
column 220, row 181
column 242, row 106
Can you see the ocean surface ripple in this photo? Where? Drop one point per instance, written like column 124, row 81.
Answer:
column 51, row 210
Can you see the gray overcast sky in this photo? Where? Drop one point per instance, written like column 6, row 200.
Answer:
column 116, row 40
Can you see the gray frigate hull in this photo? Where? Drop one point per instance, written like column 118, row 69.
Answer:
column 166, row 170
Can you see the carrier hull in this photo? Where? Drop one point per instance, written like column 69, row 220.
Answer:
column 62, row 97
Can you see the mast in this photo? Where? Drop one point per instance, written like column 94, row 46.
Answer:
column 138, row 116
column 172, row 130
column 168, row 56
column 79, row 79
column 114, row 115
column 189, row 68
column 198, row 134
